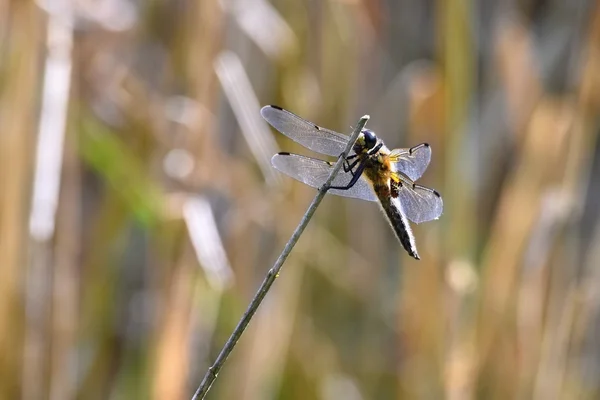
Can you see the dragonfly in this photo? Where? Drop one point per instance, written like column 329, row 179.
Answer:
column 371, row 172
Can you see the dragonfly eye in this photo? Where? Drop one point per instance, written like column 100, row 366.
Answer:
column 370, row 138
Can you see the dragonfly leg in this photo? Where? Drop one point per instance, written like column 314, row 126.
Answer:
column 348, row 166
column 355, row 175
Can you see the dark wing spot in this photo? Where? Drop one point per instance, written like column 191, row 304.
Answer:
column 276, row 107
column 284, row 153
column 436, row 193
column 317, row 127
column 414, row 186
column 411, row 150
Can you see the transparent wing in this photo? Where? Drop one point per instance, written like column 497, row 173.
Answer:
column 306, row 133
column 313, row 172
column 411, row 162
column 419, row 203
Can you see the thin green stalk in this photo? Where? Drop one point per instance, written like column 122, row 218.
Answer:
column 273, row 273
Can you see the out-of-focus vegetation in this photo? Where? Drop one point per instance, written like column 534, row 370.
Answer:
column 139, row 211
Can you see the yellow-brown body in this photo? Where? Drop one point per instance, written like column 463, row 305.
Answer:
column 378, row 172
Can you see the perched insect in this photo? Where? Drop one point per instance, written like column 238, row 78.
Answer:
column 371, row 171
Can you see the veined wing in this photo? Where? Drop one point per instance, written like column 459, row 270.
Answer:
column 306, row 133
column 314, row 172
column 419, row 203
column 411, row 162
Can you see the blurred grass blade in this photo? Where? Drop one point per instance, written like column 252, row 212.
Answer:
column 339, row 386
column 46, row 189
column 55, row 99
column 555, row 209
column 263, row 24
column 207, row 242
column 238, row 90
column 110, row 156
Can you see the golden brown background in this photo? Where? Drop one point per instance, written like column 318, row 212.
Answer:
column 139, row 212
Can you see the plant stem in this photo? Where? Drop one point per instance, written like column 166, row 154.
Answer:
column 273, row 273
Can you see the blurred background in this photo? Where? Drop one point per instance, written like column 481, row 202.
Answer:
column 139, row 212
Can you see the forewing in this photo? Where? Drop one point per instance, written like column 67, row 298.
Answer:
column 306, row 133
column 411, row 162
column 314, row 172
column 419, row 203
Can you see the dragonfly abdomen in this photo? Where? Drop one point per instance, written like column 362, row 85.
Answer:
column 397, row 220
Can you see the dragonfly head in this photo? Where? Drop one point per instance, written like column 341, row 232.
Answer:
column 369, row 139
